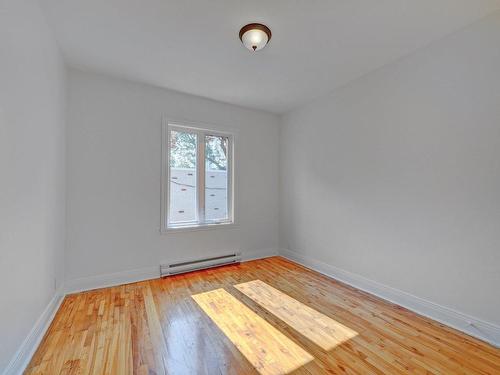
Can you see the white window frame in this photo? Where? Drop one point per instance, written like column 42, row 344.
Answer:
column 201, row 131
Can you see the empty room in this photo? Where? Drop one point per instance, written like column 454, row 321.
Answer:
column 267, row 187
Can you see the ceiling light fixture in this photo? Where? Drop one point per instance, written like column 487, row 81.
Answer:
column 255, row 36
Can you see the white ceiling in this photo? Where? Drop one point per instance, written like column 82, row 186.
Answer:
column 192, row 45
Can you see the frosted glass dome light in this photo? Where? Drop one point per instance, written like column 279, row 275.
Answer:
column 255, row 36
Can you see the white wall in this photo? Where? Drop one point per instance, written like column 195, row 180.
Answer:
column 32, row 170
column 114, row 160
column 396, row 177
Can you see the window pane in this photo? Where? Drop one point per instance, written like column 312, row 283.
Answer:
column 216, row 178
column 183, row 207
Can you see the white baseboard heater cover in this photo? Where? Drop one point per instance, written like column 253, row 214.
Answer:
column 199, row 264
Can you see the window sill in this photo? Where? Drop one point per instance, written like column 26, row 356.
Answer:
column 194, row 228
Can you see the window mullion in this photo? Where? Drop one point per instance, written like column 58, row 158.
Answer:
column 201, row 177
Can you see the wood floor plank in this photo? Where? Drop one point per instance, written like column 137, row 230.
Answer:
column 267, row 349
column 156, row 327
column 317, row 327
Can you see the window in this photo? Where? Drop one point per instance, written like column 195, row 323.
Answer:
column 197, row 177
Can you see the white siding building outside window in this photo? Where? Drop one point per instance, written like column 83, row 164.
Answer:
column 183, row 192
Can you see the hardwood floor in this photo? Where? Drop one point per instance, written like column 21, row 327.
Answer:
column 264, row 317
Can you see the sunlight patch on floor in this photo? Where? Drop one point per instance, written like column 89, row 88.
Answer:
column 266, row 348
column 324, row 331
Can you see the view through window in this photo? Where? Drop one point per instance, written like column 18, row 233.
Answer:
column 199, row 177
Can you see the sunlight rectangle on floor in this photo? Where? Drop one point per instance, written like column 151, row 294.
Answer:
column 324, row 331
column 266, row 348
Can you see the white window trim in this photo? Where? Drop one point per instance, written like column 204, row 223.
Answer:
column 201, row 129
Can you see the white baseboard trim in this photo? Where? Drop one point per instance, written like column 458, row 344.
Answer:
column 260, row 254
column 470, row 325
column 112, row 279
column 23, row 355
column 131, row 276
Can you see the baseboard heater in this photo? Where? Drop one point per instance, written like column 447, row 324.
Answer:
column 199, row 264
